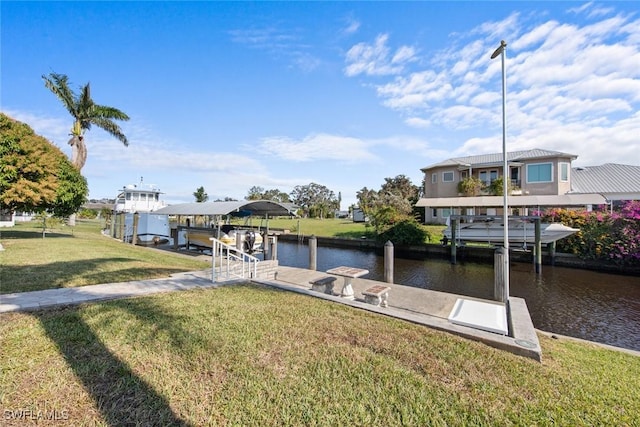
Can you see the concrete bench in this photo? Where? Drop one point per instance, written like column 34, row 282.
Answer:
column 377, row 295
column 323, row 284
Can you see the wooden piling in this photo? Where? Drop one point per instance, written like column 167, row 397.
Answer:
column 454, row 226
column 538, row 251
column 499, row 293
column 388, row 262
column 313, row 253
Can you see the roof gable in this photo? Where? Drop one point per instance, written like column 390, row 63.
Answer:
column 494, row 158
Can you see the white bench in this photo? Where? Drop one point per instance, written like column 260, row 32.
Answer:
column 323, row 284
column 377, row 295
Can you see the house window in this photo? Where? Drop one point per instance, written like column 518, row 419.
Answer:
column 464, row 175
column 484, row 177
column 540, row 172
column 434, row 178
column 434, row 213
column 446, row 212
column 487, row 177
column 447, row 176
column 564, row 172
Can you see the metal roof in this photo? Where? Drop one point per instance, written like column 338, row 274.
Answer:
column 246, row 207
column 607, row 179
column 525, row 201
column 496, row 158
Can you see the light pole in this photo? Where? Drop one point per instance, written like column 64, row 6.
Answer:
column 505, row 171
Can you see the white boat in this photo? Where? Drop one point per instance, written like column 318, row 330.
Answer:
column 492, row 231
column 251, row 240
column 143, row 199
column 139, row 198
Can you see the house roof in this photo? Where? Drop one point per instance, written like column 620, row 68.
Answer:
column 496, row 158
column 242, row 208
column 524, row 201
column 611, row 179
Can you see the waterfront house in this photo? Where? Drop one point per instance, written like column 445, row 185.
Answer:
column 472, row 185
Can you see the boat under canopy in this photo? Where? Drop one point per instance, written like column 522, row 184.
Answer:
column 491, row 230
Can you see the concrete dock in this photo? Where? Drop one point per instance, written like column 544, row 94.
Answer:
column 421, row 306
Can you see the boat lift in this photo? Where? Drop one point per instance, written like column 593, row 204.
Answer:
column 537, row 247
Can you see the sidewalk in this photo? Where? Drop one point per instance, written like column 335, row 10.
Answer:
column 420, row 306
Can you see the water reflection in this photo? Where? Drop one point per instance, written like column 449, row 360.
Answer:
column 584, row 304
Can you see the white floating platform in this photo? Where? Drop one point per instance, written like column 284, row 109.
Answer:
column 480, row 315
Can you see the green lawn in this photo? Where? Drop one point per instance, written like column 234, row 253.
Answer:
column 249, row 355
column 344, row 228
column 78, row 256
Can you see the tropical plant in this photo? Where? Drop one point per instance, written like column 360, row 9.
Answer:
column 85, row 113
column 200, row 195
column 470, row 186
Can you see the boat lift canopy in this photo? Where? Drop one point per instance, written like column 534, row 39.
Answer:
column 529, row 200
column 264, row 208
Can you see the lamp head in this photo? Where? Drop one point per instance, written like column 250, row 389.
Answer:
column 500, row 49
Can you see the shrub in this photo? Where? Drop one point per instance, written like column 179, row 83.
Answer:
column 470, row 186
column 603, row 236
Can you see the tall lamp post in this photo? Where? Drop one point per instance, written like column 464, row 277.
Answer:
column 505, row 171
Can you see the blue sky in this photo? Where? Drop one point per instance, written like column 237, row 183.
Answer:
column 231, row 95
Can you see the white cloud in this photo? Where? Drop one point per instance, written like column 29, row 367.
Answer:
column 279, row 43
column 318, row 147
column 376, row 59
column 571, row 86
column 352, row 26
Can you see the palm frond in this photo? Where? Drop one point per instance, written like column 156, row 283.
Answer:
column 59, row 85
column 110, row 113
column 111, row 127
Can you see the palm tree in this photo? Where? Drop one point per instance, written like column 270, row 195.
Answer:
column 86, row 113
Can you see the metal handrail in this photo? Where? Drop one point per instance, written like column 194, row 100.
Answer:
column 225, row 257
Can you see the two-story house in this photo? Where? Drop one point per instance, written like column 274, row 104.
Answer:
column 473, row 185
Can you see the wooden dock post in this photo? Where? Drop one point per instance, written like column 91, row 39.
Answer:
column 388, row 262
column 538, row 251
column 313, row 253
column 134, row 235
column 454, row 226
column 552, row 252
column 273, row 247
column 499, row 288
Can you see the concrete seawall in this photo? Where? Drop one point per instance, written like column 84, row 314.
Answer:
column 464, row 253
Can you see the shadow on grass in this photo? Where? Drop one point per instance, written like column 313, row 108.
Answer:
column 33, row 234
column 120, row 395
column 27, row 278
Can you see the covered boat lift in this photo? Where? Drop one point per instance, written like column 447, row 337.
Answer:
column 214, row 213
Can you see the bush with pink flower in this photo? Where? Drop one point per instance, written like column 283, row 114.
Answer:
column 611, row 236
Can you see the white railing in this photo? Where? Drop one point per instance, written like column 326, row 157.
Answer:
column 230, row 262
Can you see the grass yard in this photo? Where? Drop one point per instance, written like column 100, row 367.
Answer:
column 249, row 355
column 343, row 228
column 78, row 256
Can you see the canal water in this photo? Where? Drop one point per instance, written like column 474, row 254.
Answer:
column 584, row 304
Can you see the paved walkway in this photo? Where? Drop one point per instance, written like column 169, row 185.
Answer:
column 421, row 306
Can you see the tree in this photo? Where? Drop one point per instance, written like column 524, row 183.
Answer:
column 36, row 176
column 201, row 195
column 275, row 195
column 85, row 113
column 367, row 200
column 255, row 193
column 400, row 193
column 314, row 199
